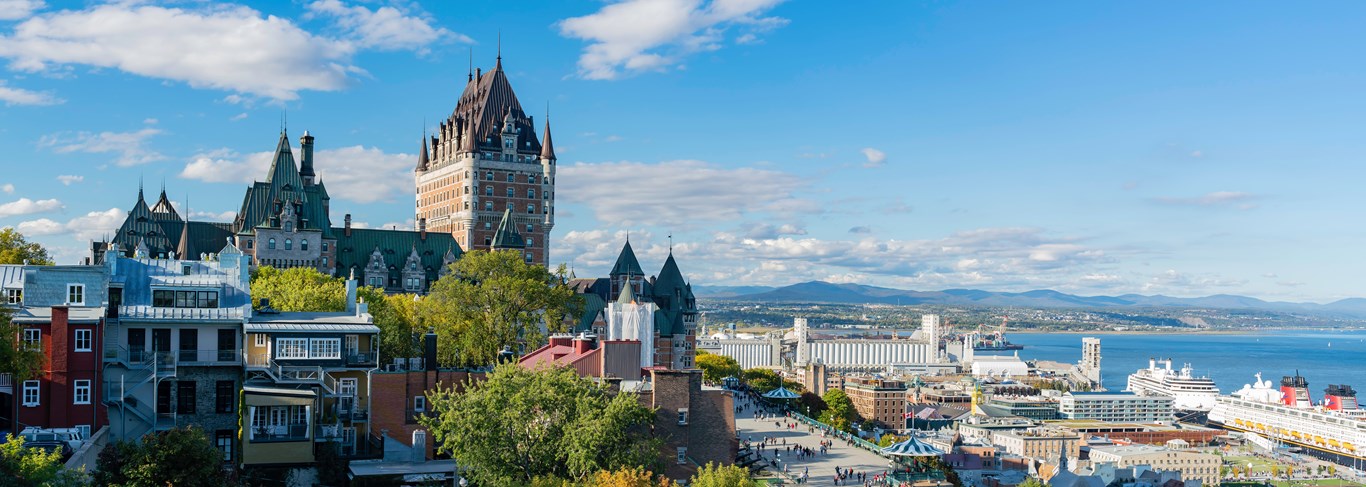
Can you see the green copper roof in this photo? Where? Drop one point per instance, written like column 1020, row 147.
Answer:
column 395, row 245
column 283, row 185
column 627, row 263
column 507, row 237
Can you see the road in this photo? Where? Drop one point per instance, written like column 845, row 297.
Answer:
column 821, row 467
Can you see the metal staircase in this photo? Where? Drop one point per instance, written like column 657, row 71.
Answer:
column 130, row 387
column 292, row 374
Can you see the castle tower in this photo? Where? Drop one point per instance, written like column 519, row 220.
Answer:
column 485, row 161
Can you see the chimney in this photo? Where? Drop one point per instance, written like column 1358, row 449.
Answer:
column 422, row 229
column 561, row 340
column 306, row 154
column 351, row 294
column 348, row 225
column 429, row 355
column 583, row 344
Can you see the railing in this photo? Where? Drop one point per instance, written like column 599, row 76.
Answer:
column 152, row 312
column 362, row 358
column 284, row 432
column 209, row 356
column 6, row 380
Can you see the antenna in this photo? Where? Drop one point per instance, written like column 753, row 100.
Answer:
column 470, row 77
column 671, row 242
column 500, row 44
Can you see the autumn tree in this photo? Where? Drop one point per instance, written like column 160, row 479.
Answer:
column 22, row 362
column 297, row 289
column 518, row 426
column 1032, row 482
column 716, row 367
column 492, row 300
column 16, row 249
column 715, row 475
column 396, row 316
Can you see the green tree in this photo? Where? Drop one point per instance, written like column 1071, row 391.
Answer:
column 520, row 425
column 840, row 412
column 811, row 405
column 714, row 475
column 1032, row 482
column 182, row 457
column 396, row 317
column 297, row 289
column 716, row 367
column 15, row 249
column 762, row 380
column 492, row 300
column 23, row 466
column 20, row 361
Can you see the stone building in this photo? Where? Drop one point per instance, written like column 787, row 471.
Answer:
column 486, row 160
column 1192, row 465
column 285, row 222
column 695, row 423
column 879, row 400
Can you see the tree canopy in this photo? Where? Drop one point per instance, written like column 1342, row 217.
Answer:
column 716, row 367
column 713, row 475
column 521, row 425
column 182, row 457
column 840, row 412
column 396, row 317
column 297, row 289
column 764, row 380
column 24, row 466
column 811, row 405
column 16, row 249
column 20, row 361
column 492, row 300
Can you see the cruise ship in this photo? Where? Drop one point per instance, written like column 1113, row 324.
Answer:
column 1189, row 393
column 1334, row 430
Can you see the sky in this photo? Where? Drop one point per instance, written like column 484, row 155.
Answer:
column 1178, row 148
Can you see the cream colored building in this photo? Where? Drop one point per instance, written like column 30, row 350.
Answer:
column 1192, row 465
column 1039, row 444
column 878, row 400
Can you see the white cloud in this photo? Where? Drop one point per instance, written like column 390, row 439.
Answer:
column 150, row 121
column 680, row 193
column 131, row 146
column 7, row 188
column 90, row 226
column 875, row 157
column 222, row 47
column 238, row 117
column 648, row 35
column 20, row 96
column 356, row 173
column 1234, row 199
column 385, row 28
column 67, row 179
column 25, row 206
column 19, row 9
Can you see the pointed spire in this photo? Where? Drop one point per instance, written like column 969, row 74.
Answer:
column 283, row 170
column 423, row 160
column 507, row 237
column 627, row 295
column 470, row 77
column 627, row 263
column 140, row 198
column 499, row 65
column 547, row 147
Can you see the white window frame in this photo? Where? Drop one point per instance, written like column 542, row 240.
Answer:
column 14, row 296
column 31, row 386
column 84, row 335
column 78, row 389
column 330, row 348
column 262, row 339
column 419, row 404
column 291, row 348
column 348, row 386
column 682, row 455
column 77, row 291
column 682, row 416
column 33, row 338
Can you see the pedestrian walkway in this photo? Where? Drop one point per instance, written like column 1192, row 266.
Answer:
column 821, row 467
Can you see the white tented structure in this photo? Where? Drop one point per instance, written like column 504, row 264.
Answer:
column 628, row 319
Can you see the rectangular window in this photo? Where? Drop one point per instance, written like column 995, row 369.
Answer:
column 83, row 340
column 324, row 348
column 261, row 339
column 185, row 397
column 225, row 397
column 166, row 298
column 683, row 416
column 223, row 440
column 33, row 339
column 81, row 392
column 682, row 455
column 291, row 348
column 75, row 294
column 30, row 393
column 419, row 403
column 14, row 296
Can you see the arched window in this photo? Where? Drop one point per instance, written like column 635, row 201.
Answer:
column 270, row 244
column 531, row 178
column 530, row 209
column 488, row 190
column 467, row 205
column 512, row 178
column 289, row 244
column 510, row 193
column 303, row 244
column 324, row 246
column 489, row 175
column 488, row 206
column 248, row 243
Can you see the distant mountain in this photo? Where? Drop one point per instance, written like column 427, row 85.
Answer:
column 825, row 292
column 727, row 291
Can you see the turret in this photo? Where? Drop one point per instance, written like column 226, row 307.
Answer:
column 306, row 154
column 423, row 159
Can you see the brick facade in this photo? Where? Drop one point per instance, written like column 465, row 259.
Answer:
column 708, row 433
column 392, row 400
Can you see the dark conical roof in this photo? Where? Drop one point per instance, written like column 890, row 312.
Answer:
column 163, row 210
column 547, row 148
column 423, row 160
column 670, row 278
column 283, row 170
column 507, row 236
column 627, row 263
column 486, row 100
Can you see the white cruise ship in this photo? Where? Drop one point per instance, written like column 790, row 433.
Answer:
column 1333, row 431
column 1188, row 392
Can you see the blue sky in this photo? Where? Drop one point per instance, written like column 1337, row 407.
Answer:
column 1095, row 148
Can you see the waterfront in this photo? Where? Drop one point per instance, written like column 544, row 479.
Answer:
column 1229, row 359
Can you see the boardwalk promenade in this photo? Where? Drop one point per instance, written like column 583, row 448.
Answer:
column 820, row 467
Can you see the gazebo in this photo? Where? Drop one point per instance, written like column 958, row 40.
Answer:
column 781, row 393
